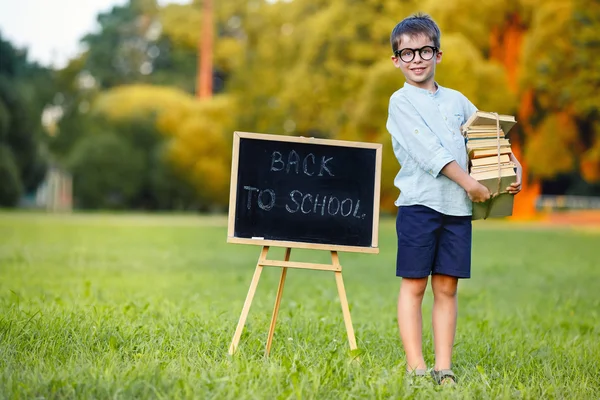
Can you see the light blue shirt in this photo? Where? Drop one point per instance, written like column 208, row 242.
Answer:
column 425, row 129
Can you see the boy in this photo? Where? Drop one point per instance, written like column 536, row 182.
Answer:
column 434, row 205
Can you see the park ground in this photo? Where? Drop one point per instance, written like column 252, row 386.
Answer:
column 121, row 306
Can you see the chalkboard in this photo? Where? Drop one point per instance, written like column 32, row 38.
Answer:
column 304, row 192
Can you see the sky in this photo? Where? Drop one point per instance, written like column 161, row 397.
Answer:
column 51, row 29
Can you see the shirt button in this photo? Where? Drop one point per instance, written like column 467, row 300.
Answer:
column 416, row 131
column 445, row 118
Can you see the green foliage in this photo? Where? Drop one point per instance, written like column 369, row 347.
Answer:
column 11, row 188
column 5, row 121
column 547, row 148
column 561, row 67
column 129, row 48
column 198, row 133
column 107, row 171
column 563, row 43
column 24, row 90
column 124, row 164
column 167, row 188
column 129, row 306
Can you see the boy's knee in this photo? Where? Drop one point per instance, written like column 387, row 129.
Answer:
column 415, row 287
column 444, row 285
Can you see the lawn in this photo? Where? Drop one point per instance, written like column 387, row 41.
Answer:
column 133, row 306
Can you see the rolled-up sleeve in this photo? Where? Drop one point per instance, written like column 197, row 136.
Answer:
column 412, row 133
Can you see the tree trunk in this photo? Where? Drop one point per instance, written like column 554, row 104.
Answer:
column 505, row 47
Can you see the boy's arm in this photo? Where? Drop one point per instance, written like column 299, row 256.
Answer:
column 476, row 191
column 407, row 127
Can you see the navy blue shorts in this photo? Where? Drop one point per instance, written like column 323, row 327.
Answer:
column 430, row 243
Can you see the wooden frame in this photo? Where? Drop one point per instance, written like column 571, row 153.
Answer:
column 289, row 244
column 285, row 264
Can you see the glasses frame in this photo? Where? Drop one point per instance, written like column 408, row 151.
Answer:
column 398, row 53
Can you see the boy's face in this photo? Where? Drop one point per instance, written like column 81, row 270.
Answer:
column 418, row 72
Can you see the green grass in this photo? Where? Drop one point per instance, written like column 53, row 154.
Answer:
column 132, row 306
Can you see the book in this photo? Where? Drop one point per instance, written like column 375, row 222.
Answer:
column 478, row 153
column 488, row 119
column 492, row 173
column 492, row 167
column 501, row 205
column 489, row 161
column 481, row 128
column 488, row 143
column 484, row 135
column 492, row 160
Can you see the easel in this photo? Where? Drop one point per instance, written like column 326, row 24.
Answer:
column 285, row 264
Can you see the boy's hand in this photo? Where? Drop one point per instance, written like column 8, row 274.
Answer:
column 515, row 187
column 478, row 193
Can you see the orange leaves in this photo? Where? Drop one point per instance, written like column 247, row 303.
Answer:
column 590, row 159
column 483, row 81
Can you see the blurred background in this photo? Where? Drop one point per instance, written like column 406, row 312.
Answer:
column 140, row 115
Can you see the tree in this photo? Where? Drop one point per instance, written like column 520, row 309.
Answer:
column 130, row 48
column 24, row 89
column 563, row 44
column 325, row 70
column 107, row 171
column 543, row 47
column 198, row 133
column 11, row 188
column 321, row 68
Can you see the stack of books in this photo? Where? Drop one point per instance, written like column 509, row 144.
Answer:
column 489, row 161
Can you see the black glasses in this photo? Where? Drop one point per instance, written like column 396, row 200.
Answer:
column 407, row 55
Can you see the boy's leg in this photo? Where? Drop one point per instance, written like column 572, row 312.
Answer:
column 453, row 261
column 445, row 310
column 417, row 228
column 410, row 320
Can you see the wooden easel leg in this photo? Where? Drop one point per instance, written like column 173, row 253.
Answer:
column 344, row 302
column 277, row 303
column 248, row 302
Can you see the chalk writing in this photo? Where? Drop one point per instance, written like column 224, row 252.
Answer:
column 308, row 203
column 294, row 161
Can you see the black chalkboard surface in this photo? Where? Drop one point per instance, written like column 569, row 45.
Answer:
column 304, row 192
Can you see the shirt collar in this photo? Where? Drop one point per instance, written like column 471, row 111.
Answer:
column 415, row 89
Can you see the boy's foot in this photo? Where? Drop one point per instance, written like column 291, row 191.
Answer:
column 412, row 373
column 443, row 377
column 416, row 377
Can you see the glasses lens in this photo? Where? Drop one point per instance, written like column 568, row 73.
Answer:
column 426, row 52
column 407, row 55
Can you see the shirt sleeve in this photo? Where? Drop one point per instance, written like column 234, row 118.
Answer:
column 414, row 136
column 469, row 108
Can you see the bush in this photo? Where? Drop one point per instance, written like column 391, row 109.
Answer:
column 107, row 171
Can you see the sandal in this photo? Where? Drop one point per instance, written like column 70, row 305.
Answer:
column 443, row 377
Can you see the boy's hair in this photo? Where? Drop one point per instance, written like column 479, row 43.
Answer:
column 415, row 25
